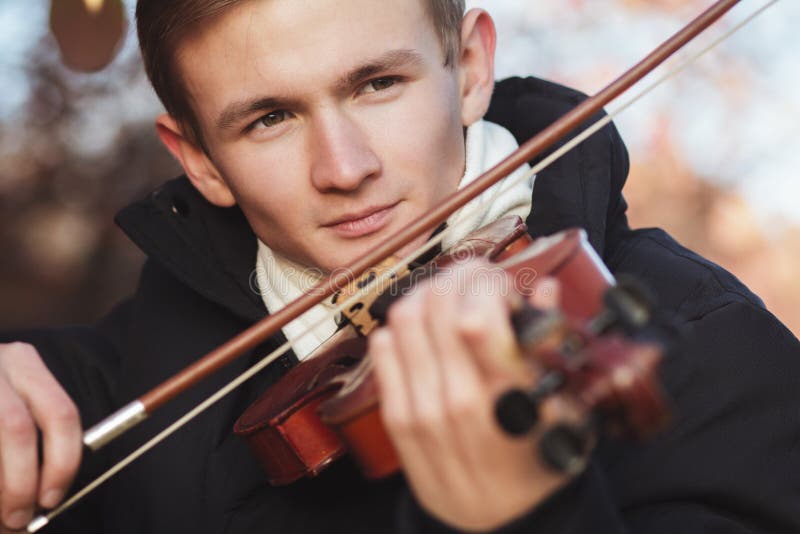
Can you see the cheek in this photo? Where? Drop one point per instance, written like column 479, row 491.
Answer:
column 263, row 194
column 428, row 132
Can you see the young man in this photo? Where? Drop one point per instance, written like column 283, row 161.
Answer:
column 308, row 133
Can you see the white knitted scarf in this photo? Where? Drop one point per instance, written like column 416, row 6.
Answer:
column 281, row 281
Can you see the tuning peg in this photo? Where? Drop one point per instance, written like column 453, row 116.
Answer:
column 565, row 447
column 517, row 411
column 532, row 325
column 628, row 306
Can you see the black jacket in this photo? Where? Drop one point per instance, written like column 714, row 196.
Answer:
column 730, row 462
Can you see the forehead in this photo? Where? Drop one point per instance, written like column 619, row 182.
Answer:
column 296, row 45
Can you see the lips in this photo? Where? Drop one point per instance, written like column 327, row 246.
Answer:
column 362, row 223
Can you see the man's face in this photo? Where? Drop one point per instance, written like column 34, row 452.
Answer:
column 333, row 123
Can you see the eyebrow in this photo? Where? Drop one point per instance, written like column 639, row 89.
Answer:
column 235, row 112
column 390, row 60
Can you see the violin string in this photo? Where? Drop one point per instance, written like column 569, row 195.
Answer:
column 40, row 521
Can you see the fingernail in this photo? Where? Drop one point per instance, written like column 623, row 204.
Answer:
column 51, row 498
column 19, row 518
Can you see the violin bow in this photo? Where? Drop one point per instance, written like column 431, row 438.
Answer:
column 138, row 410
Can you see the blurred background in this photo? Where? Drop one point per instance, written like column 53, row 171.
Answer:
column 713, row 152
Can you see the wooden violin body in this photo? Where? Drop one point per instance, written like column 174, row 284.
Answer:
column 329, row 405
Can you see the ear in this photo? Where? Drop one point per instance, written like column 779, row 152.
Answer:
column 476, row 64
column 198, row 167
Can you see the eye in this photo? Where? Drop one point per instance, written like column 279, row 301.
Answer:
column 273, row 118
column 379, row 84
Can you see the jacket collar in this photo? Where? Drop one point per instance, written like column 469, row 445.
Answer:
column 210, row 249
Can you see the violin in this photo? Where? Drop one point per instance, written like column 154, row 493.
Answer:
column 329, row 404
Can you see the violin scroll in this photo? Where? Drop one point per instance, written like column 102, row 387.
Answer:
column 613, row 377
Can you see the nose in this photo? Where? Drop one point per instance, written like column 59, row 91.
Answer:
column 342, row 158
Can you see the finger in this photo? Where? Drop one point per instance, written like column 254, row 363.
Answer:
column 427, row 432
column 430, row 462
column 462, row 383
column 18, row 461
column 546, row 293
column 396, row 411
column 57, row 417
column 416, row 358
column 422, row 359
column 562, row 408
column 484, row 327
column 489, row 362
column 463, row 390
column 395, row 408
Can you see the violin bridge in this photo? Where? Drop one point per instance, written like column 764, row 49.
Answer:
column 369, row 286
